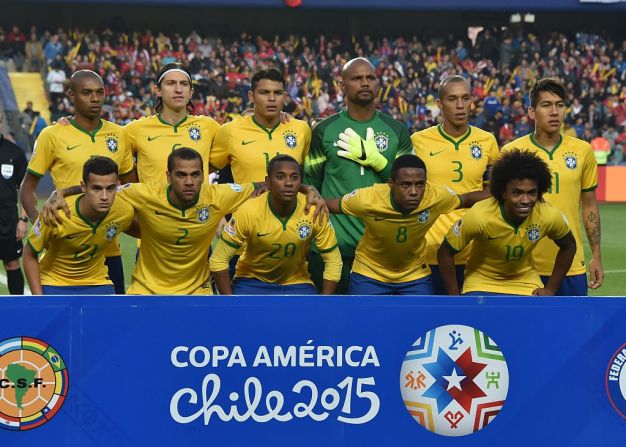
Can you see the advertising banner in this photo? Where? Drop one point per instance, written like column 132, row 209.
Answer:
column 312, row 371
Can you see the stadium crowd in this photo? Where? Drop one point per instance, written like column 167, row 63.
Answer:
column 500, row 66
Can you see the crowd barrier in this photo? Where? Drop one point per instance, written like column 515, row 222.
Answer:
column 312, row 371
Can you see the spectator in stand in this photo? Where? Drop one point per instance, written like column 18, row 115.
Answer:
column 56, row 80
column 500, row 70
column 52, row 48
column 601, row 148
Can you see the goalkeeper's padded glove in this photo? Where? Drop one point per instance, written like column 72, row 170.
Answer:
column 361, row 151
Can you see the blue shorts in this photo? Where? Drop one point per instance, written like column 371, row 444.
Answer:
column 575, row 285
column 251, row 286
column 78, row 290
column 438, row 287
column 116, row 273
column 362, row 285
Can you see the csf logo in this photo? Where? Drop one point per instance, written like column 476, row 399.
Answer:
column 33, row 383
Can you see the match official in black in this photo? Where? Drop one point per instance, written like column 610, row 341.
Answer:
column 12, row 229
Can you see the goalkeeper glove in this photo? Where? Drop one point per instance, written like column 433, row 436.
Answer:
column 364, row 152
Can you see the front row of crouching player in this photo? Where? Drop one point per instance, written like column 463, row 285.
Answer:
column 275, row 230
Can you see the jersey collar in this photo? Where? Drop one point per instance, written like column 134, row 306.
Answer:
column 175, row 126
column 92, row 135
column 182, row 210
column 506, row 219
column 93, row 225
column 265, row 129
column 396, row 207
column 447, row 137
column 347, row 115
column 283, row 220
column 550, row 153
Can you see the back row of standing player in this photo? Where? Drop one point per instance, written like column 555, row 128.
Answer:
column 456, row 155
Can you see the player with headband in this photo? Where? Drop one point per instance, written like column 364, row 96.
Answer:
column 153, row 138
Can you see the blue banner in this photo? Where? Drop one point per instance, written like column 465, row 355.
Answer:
column 312, row 371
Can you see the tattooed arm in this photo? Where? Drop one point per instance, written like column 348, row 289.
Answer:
column 591, row 220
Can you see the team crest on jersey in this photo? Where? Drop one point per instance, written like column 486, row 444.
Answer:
column 194, row 133
column 203, row 214
column 111, row 230
column 456, row 228
column 476, row 150
column 533, row 232
column 112, row 143
column 423, row 216
column 382, row 141
column 571, row 162
column 304, row 229
column 290, row 139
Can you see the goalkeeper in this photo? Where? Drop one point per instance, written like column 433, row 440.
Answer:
column 352, row 149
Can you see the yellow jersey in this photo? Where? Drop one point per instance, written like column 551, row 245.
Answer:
column 276, row 248
column 501, row 256
column 75, row 250
column 248, row 146
column 574, row 170
column 151, row 140
column 393, row 247
column 173, row 259
column 458, row 163
column 63, row 150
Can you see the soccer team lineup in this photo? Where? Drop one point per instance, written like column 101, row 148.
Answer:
column 354, row 205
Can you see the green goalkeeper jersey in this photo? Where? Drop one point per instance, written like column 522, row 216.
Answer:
column 335, row 176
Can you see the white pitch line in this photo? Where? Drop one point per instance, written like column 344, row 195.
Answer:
column 615, row 271
column 3, row 280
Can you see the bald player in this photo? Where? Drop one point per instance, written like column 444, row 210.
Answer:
column 352, row 149
column 64, row 149
column 458, row 156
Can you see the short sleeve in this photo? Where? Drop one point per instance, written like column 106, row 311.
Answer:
column 130, row 137
column 463, row 232
column 230, row 196
column 39, row 236
column 325, row 238
column 126, row 161
column 356, row 203
column 556, row 223
column 589, row 180
column 493, row 153
column 307, row 141
column 132, row 193
column 43, row 153
column 447, row 199
column 219, row 157
column 237, row 230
